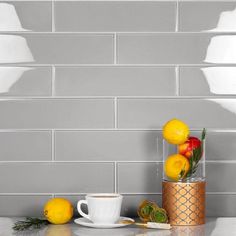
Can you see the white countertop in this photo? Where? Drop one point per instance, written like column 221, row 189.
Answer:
column 220, row 226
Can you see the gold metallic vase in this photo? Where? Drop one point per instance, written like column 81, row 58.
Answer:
column 184, row 202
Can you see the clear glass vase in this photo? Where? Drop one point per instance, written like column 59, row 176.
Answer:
column 184, row 198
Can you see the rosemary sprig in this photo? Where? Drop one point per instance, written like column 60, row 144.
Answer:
column 197, row 154
column 29, row 223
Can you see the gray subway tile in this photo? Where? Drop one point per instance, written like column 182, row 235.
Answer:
column 25, row 16
column 207, row 16
column 147, row 177
column 115, row 81
column 19, row 205
column 115, row 16
column 207, row 81
column 56, row 177
column 25, row 146
column 220, row 177
column 226, row 208
column 25, row 81
column 176, row 48
column 108, row 145
column 220, row 146
column 153, row 113
column 139, row 177
column 56, row 48
column 56, row 113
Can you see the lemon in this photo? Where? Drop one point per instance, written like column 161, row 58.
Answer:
column 58, row 211
column 174, row 165
column 175, row 131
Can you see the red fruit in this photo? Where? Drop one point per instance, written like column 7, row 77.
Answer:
column 186, row 149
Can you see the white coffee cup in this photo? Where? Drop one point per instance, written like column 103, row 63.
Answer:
column 103, row 208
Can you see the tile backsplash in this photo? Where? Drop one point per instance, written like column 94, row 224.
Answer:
column 86, row 86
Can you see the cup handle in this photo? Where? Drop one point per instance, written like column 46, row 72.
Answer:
column 79, row 208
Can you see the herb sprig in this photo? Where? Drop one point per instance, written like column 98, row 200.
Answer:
column 197, row 154
column 30, row 223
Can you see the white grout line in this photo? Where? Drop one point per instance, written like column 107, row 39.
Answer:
column 53, row 145
column 22, row 98
column 119, row 65
column 109, row 162
column 177, row 17
column 53, row 16
column 123, row 193
column 100, row 33
column 112, row 129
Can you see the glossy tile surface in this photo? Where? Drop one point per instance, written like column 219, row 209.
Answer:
column 108, row 146
column 59, row 113
column 207, row 81
column 153, row 113
column 145, row 177
column 56, row 177
column 226, row 207
column 29, row 205
column 207, row 16
column 115, row 16
column 176, row 48
column 220, row 146
column 56, row 48
column 25, row 146
column 25, row 16
column 115, row 81
column 220, row 177
column 25, row 81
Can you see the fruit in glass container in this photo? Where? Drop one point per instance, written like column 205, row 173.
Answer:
column 176, row 167
column 186, row 149
column 175, row 131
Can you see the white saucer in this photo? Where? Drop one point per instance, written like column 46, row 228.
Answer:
column 85, row 222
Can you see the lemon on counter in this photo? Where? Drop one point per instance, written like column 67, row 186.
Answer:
column 174, row 165
column 58, row 211
column 175, row 131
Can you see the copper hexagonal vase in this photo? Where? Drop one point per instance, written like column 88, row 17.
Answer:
column 184, row 202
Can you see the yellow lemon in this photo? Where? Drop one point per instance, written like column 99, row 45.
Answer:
column 174, row 165
column 175, row 131
column 58, row 210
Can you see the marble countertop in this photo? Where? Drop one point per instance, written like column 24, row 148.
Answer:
column 220, row 226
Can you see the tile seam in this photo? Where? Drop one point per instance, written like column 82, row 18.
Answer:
column 110, row 130
column 167, row 97
column 109, row 162
column 119, row 65
column 177, row 16
column 118, row 32
column 53, row 15
column 124, row 193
